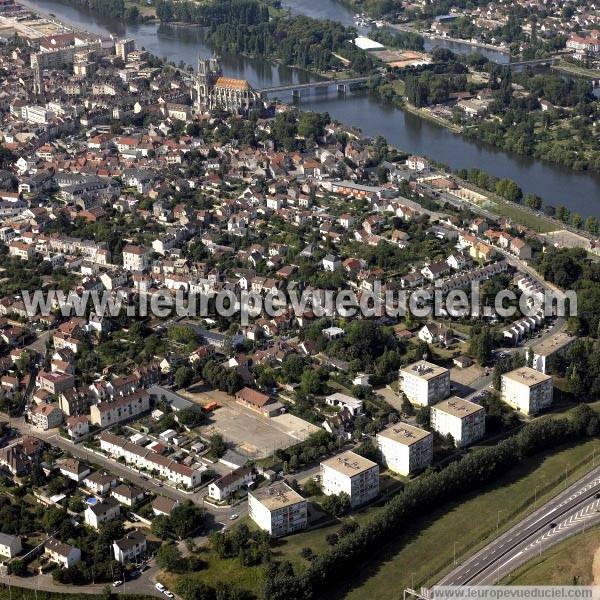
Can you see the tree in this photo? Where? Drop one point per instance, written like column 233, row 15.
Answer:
column 481, row 346
column 423, row 416
column 577, row 220
column 217, row 446
column 161, row 526
column 191, row 417
column 189, row 588
column 169, row 558
column 337, row 504
column 533, row 201
column 17, row 567
column 310, row 383
column 52, row 518
column 312, row 125
column 591, row 224
column 185, row 519
column 406, row 407
column 183, row 377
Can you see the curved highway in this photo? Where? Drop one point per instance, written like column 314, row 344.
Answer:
column 575, row 509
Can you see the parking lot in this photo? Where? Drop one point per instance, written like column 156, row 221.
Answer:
column 251, row 434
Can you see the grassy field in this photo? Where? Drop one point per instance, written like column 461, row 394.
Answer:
column 226, row 570
column 577, row 70
column 424, row 551
column 535, row 222
column 564, row 564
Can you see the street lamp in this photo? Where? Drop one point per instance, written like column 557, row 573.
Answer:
column 498, row 520
column 455, row 553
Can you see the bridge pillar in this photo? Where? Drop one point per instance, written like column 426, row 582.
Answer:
column 296, row 94
column 341, row 88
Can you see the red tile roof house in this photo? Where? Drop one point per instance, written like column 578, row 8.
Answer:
column 259, row 402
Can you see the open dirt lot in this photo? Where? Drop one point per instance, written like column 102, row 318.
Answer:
column 250, row 433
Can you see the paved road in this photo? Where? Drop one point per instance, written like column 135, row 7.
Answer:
column 142, row 585
column 575, row 509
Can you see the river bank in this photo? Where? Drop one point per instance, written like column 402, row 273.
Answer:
column 374, row 116
column 429, row 116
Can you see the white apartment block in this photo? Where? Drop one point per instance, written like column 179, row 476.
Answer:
column 278, row 509
column 463, row 420
column 135, row 258
column 424, row 383
column 556, row 345
column 527, row 390
column 405, row 448
column 37, row 114
column 108, row 413
column 353, row 474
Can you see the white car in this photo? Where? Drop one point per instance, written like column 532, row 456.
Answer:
column 117, row 583
column 168, row 594
column 160, row 587
column 233, row 517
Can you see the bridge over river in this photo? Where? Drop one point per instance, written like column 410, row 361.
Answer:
column 298, row 88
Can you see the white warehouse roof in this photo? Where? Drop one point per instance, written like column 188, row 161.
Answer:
column 364, row 43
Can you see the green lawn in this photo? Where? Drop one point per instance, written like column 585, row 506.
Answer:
column 424, row 551
column 513, row 211
column 568, row 562
column 225, row 570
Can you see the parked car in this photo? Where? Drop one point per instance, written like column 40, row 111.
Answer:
column 160, row 587
column 117, row 583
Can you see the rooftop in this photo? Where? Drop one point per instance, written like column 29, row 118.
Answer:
column 349, row 463
column 424, row 370
column 405, row 434
column 457, row 407
column 276, row 496
column 553, row 344
column 527, row 376
column 233, row 84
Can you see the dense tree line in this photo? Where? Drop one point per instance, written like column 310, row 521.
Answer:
column 299, row 41
column 212, row 14
column 562, row 133
column 571, row 269
column 433, row 89
column 427, row 493
column 114, row 9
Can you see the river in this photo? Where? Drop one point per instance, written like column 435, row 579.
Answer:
column 580, row 192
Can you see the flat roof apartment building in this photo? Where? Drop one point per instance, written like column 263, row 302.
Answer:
column 463, row 420
column 278, row 509
column 527, row 390
column 541, row 353
column 424, row 383
column 353, row 474
column 405, row 448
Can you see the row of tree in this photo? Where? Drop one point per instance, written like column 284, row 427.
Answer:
column 211, row 14
column 429, row 492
